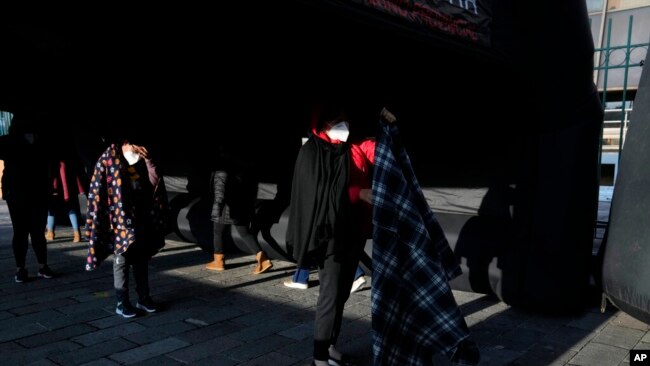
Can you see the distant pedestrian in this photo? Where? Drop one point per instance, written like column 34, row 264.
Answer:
column 234, row 192
column 66, row 187
column 26, row 188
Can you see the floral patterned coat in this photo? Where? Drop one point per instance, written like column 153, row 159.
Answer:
column 111, row 217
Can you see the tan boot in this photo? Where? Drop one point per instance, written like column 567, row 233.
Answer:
column 263, row 263
column 218, row 264
column 76, row 236
column 49, row 235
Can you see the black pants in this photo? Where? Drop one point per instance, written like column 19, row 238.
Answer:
column 242, row 230
column 335, row 275
column 121, row 265
column 28, row 220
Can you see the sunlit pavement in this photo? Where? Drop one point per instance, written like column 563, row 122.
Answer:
column 235, row 318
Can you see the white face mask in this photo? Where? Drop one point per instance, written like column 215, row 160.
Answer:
column 339, row 131
column 131, row 156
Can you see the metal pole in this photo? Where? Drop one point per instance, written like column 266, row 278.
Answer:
column 623, row 98
column 604, row 99
column 602, row 127
column 601, row 32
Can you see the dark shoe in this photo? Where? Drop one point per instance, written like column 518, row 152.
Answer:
column 147, row 305
column 125, row 309
column 346, row 360
column 21, row 275
column 45, row 272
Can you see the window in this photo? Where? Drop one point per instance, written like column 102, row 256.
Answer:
column 5, row 121
column 594, row 5
column 626, row 4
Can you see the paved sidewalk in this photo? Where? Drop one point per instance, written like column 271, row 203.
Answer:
column 235, row 318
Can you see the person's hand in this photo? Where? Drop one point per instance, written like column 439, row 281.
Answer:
column 140, row 150
column 365, row 194
column 387, row 116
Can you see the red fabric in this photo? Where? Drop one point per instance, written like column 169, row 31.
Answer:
column 60, row 182
column 363, row 158
column 362, row 154
column 64, row 181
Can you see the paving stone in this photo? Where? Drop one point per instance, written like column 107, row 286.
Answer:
column 37, row 353
column 249, row 351
column 153, row 334
column 618, row 336
column 5, row 315
column 32, row 318
column 299, row 332
column 301, row 350
column 56, row 335
column 591, row 321
column 101, row 362
column 627, row 321
column 106, row 334
column 220, row 360
column 273, row 358
column 498, row 356
column 205, row 349
column 13, row 303
column 94, row 353
column 61, row 321
column 540, row 356
column 160, row 361
column 148, row 351
column 14, row 333
column 42, row 362
column 569, row 338
column 599, row 354
column 42, row 306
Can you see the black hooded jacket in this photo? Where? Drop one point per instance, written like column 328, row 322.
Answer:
column 319, row 209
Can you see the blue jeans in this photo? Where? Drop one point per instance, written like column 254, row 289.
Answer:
column 359, row 273
column 71, row 214
column 301, row 276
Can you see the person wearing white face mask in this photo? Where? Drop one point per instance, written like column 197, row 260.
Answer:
column 330, row 219
column 132, row 225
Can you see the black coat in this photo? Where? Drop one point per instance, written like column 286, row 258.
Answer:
column 234, row 196
column 319, row 208
column 26, row 176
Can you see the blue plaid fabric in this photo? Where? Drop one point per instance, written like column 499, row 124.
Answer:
column 414, row 313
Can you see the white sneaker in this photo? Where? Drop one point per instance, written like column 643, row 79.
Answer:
column 358, row 284
column 298, row 285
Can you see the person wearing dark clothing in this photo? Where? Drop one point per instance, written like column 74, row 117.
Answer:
column 26, row 187
column 325, row 226
column 234, row 194
column 127, row 216
column 66, row 186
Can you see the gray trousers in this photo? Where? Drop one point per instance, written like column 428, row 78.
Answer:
column 121, row 266
column 335, row 277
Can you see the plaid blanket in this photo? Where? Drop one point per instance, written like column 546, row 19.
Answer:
column 414, row 313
